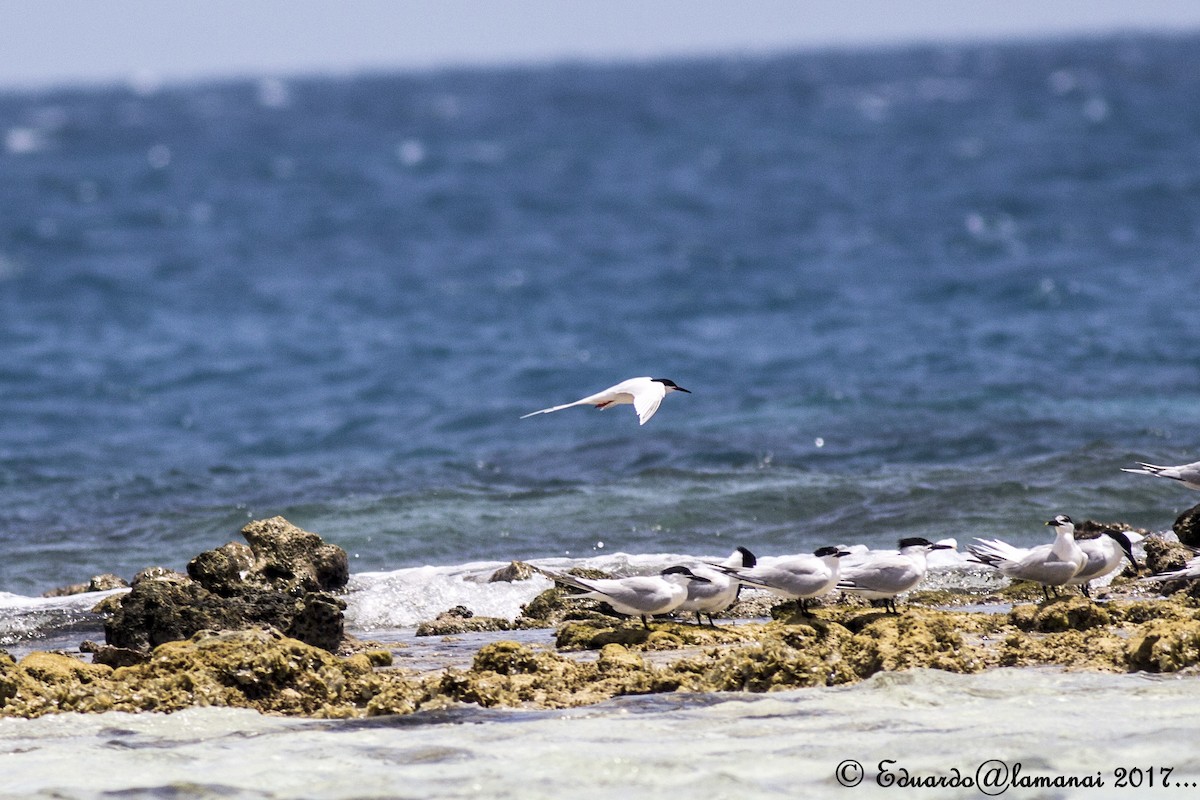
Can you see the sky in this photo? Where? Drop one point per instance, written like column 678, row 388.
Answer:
column 55, row 42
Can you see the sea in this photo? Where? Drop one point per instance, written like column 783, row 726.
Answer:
column 940, row 290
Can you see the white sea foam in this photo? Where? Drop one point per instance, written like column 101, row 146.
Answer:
column 404, row 597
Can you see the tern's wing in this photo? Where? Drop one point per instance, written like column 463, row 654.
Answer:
column 884, row 574
column 647, row 398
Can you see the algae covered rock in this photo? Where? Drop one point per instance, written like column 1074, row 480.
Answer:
column 1061, row 614
column 1163, row 555
column 223, row 570
column 281, row 579
column 461, row 619
column 288, row 558
column 515, row 571
column 594, row 634
column 928, row 639
column 512, row 674
column 1165, row 646
column 98, row 583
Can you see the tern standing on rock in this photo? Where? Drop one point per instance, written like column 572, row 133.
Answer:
column 721, row 590
column 1048, row 564
column 795, row 578
column 639, row 596
column 1104, row 555
column 887, row 575
column 646, row 394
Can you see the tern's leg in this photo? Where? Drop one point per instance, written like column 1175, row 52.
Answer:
column 1087, row 592
column 700, row 621
column 645, row 623
column 710, row 621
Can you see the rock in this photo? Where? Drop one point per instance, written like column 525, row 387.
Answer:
column 113, row 656
column 318, row 620
column 597, row 634
column 159, row 574
column 16, row 685
column 1187, row 527
column 159, row 611
column 1165, row 646
column 55, row 668
column 515, row 571
column 1060, row 614
column 461, row 619
column 282, row 579
column 223, row 570
column 99, row 583
column 263, row 669
column 288, row 558
column 1164, row 556
column 259, row 669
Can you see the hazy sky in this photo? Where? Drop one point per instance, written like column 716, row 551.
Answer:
column 60, row 41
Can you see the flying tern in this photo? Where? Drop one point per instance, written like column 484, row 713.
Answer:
column 646, row 394
column 638, row 596
column 721, row 590
column 886, row 575
column 795, row 578
column 1187, row 474
column 1048, row 564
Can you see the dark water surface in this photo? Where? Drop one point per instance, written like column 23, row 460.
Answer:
column 943, row 290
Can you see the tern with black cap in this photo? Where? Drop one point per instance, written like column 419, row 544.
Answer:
column 886, row 575
column 1051, row 565
column 645, row 394
column 637, row 596
column 799, row 578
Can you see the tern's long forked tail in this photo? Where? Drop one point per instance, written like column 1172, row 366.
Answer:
column 563, row 578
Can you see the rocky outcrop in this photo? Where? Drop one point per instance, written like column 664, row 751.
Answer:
column 284, row 578
column 1187, row 527
column 260, row 668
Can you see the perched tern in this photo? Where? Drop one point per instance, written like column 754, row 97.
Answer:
column 646, row 394
column 639, row 596
column 1104, row 554
column 794, row 578
column 1048, row 564
column 886, row 575
column 1187, row 474
column 721, row 590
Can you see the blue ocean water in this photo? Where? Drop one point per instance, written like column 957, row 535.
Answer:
column 938, row 290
